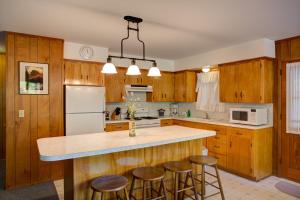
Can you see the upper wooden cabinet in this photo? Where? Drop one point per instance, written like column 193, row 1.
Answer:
column 84, row 73
column 185, row 85
column 248, row 81
column 163, row 88
column 115, row 86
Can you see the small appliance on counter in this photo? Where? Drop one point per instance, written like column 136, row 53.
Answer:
column 161, row 112
column 249, row 116
column 107, row 114
column 174, row 109
column 116, row 115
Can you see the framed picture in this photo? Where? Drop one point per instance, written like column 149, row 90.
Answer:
column 33, row 78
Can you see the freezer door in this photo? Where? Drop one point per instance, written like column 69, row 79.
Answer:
column 77, row 124
column 84, row 99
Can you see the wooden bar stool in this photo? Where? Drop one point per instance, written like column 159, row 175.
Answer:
column 109, row 184
column 207, row 161
column 149, row 175
column 179, row 169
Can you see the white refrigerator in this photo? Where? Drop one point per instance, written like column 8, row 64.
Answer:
column 84, row 109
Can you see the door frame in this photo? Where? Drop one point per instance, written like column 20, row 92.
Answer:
column 282, row 138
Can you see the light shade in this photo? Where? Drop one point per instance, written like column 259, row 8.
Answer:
column 109, row 68
column 133, row 69
column 154, row 71
column 205, row 69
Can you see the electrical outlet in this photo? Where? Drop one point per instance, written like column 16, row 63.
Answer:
column 21, row 113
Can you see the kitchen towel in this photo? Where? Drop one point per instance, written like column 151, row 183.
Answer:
column 207, row 89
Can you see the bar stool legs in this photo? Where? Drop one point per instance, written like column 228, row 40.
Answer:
column 208, row 161
column 149, row 175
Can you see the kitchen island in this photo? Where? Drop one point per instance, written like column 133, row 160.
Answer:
column 90, row 155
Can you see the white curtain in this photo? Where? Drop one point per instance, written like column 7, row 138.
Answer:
column 208, row 92
column 293, row 98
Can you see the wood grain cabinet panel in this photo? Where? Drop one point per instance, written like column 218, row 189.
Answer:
column 295, row 49
column 115, row 86
column 185, row 86
column 83, row 73
column 166, row 122
column 248, row 81
column 117, row 127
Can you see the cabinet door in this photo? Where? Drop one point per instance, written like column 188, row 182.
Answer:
column 114, row 85
column 228, row 84
column 249, row 82
column 167, row 87
column 240, row 152
column 179, row 88
column 145, row 80
column 95, row 77
column 72, row 73
column 190, row 86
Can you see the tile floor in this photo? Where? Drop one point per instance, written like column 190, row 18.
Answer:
column 235, row 188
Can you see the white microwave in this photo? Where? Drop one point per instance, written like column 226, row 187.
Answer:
column 251, row 116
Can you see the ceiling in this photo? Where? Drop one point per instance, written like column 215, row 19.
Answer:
column 172, row 29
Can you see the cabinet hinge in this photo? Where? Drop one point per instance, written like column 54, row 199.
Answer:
column 251, row 145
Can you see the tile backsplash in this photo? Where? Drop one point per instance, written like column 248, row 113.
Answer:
column 151, row 109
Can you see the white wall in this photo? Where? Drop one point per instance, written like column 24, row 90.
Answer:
column 248, row 50
column 71, row 51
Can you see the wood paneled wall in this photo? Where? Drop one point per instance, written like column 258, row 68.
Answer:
column 43, row 113
column 2, row 105
column 287, row 50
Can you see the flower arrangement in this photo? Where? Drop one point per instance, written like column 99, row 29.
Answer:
column 131, row 110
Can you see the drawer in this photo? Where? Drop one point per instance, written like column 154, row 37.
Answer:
column 219, row 148
column 117, row 126
column 166, row 122
column 219, row 138
column 222, row 159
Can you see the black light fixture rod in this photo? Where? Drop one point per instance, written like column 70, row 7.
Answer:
column 132, row 58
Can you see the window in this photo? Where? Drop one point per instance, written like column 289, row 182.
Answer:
column 293, row 98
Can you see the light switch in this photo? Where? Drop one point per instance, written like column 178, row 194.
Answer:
column 21, row 113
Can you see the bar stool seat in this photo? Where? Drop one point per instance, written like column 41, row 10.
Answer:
column 178, row 166
column 207, row 161
column 149, row 175
column 110, row 183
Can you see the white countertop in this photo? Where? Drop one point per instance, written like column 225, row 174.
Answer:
column 206, row 121
column 69, row 147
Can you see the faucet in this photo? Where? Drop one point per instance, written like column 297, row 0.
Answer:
column 206, row 115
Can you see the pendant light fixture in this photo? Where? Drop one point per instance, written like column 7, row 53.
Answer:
column 133, row 69
column 154, row 71
column 109, row 68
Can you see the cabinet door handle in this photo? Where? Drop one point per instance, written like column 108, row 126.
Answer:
column 230, row 144
column 235, row 94
column 216, row 146
column 241, row 94
column 239, row 133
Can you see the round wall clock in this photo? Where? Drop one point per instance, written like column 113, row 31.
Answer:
column 86, row 52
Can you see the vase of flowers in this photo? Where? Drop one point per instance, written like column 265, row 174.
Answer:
column 131, row 112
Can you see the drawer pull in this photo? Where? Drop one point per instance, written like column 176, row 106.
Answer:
column 217, row 137
column 217, row 146
column 239, row 133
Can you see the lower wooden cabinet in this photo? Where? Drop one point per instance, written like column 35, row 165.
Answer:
column 166, row 122
column 117, row 127
column 245, row 152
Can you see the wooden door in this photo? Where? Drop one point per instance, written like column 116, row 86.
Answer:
column 168, row 86
column 146, row 80
column 156, row 95
column 190, row 86
column 72, row 72
column 290, row 149
column 228, row 84
column 94, row 75
column 179, row 87
column 114, row 86
column 249, row 81
column 240, row 152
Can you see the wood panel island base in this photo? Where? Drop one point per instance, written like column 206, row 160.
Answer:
column 92, row 155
